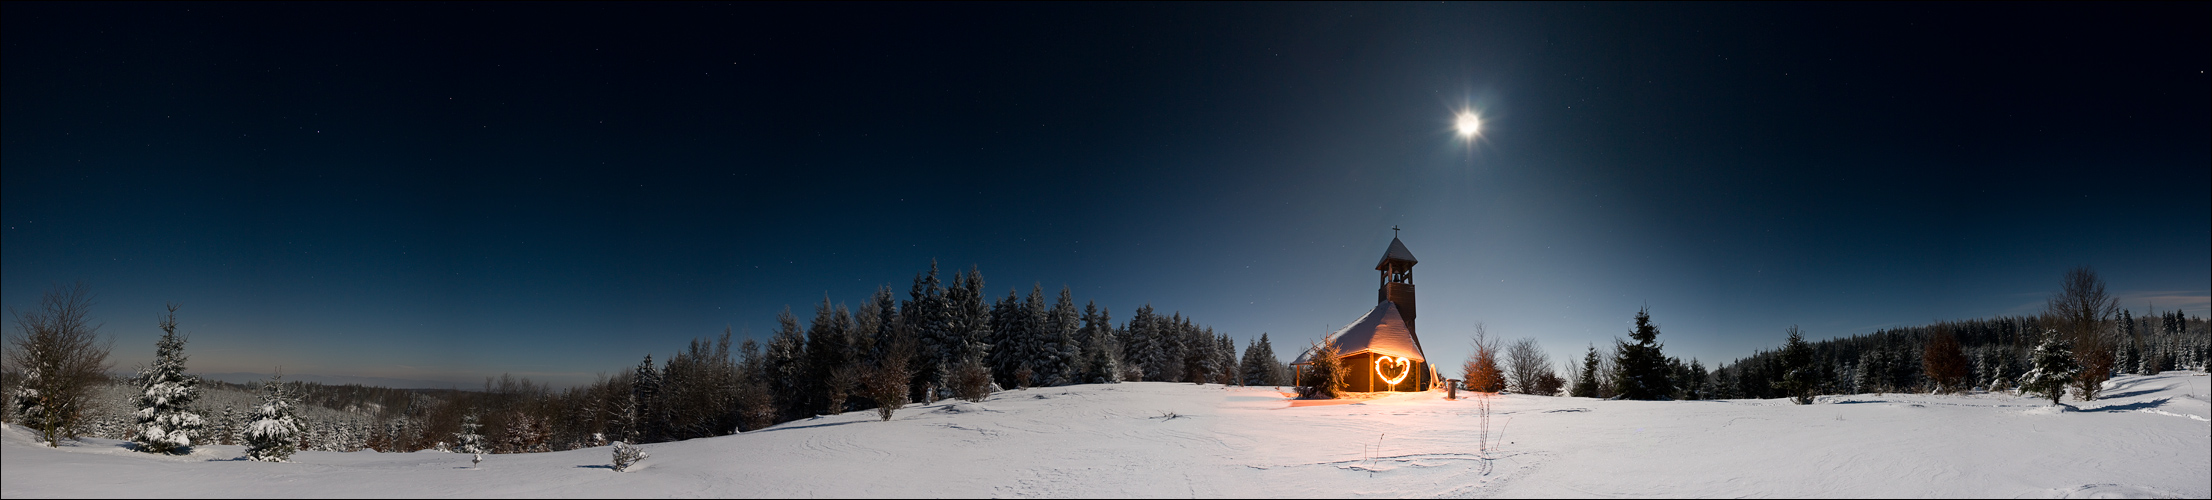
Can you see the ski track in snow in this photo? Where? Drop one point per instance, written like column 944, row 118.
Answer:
column 1184, row 440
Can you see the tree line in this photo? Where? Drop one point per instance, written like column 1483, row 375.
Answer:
column 2081, row 339
column 942, row 340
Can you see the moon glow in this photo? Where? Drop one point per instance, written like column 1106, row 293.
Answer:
column 1468, row 124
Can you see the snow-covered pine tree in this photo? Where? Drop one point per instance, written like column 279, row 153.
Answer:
column 274, row 433
column 975, row 323
column 625, row 418
column 1033, row 349
column 226, row 431
column 1010, row 341
column 1191, row 347
column 787, row 369
column 2054, row 367
column 1258, row 362
column 395, row 430
column 1227, row 367
column 468, row 440
column 928, row 316
column 645, row 391
column 165, row 422
column 315, row 435
column 828, row 349
column 967, row 374
column 1062, row 324
column 885, row 325
column 1798, row 378
column 1140, row 347
column 1197, row 349
column 1039, row 344
column 1224, row 351
column 1101, row 352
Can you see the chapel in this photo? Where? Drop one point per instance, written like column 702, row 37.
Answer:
column 1382, row 351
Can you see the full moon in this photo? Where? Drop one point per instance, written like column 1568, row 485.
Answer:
column 1468, row 124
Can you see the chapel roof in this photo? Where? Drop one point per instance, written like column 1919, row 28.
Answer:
column 1397, row 251
column 1382, row 331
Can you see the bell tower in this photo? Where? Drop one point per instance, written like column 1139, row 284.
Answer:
column 1397, row 279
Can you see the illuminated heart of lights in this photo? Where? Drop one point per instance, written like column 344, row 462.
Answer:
column 1404, row 368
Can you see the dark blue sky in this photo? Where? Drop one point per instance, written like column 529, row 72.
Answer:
column 446, row 191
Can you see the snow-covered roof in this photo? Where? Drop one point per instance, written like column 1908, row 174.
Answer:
column 1397, row 251
column 1381, row 331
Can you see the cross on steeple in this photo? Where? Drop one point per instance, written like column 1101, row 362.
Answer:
column 1393, row 230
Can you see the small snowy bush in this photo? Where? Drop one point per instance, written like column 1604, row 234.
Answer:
column 275, row 433
column 468, row 441
column 2054, row 367
column 626, row 456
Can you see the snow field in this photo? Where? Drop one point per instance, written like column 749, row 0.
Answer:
column 2148, row 438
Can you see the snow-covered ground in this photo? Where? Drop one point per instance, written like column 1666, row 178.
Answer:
column 2150, row 437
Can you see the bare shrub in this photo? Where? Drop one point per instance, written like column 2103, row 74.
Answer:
column 1945, row 362
column 971, row 380
column 62, row 359
column 887, row 382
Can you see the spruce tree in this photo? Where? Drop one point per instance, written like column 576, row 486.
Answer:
column 1101, row 353
column 1039, row 345
column 1586, row 384
column 2054, row 367
column 165, row 422
column 645, row 391
column 1142, row 348
column 1259, row 362
column 1225, row 353
column 976, row 320
column 227, row 432
column 787, row 368
column 468, row 440
column 1198, row 353
column 1010, row 341
column 274, row 434
column 1064, row 341
column 1641, row 367
column 828, row 349
column 929, row 316
column 1798, row 376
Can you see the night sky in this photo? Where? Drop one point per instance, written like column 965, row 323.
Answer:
column 440, row 192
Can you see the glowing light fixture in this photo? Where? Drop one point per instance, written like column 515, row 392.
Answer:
column 1403, row 368
column 1468, row 124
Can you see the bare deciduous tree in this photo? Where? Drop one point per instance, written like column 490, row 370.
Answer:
column 62, row 359
column 2081, row 309
column 1527, row 365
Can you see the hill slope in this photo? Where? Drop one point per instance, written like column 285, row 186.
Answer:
column 2149, row 438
